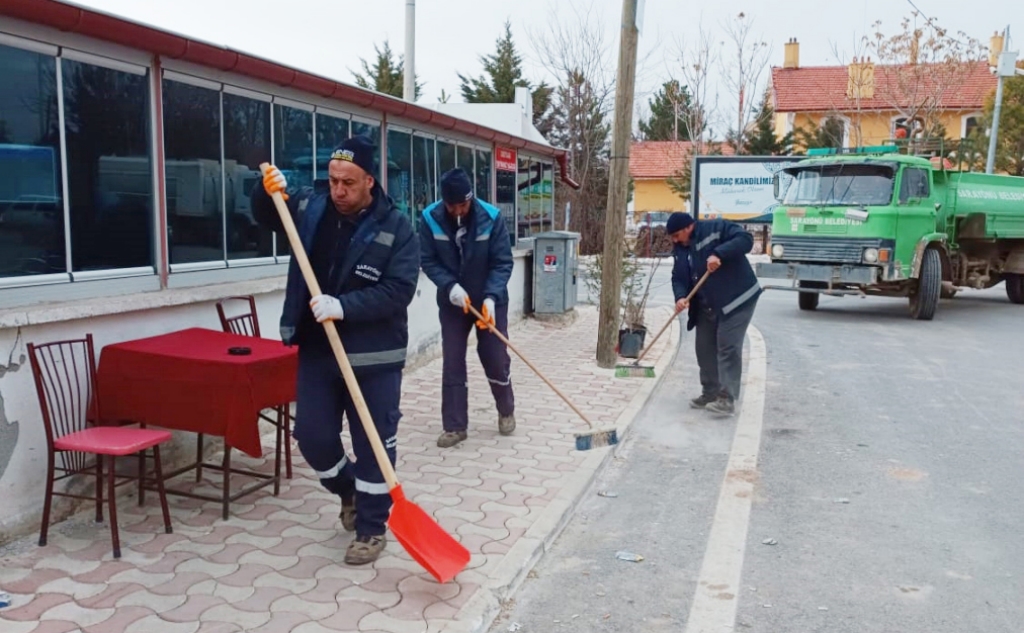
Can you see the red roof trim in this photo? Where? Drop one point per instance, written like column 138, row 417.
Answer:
column 117, row 30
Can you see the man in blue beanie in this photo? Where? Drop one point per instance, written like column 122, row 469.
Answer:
column 365, row 256
column 465, row 250
column 722, row 308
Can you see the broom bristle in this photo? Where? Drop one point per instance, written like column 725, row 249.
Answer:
column 596, row 439
column 634, row 371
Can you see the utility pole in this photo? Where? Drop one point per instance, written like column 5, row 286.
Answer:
column 618, row 184
column 409, row 63
column 1006, row 66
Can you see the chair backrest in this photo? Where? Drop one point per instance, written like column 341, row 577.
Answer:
column 246, row 324
column 65, row 376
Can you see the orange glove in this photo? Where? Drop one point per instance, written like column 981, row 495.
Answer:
column 465, row 305
column 487, row 312
column 274, row 181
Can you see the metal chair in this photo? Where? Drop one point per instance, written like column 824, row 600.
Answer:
column 65, row 378
column 248, row 324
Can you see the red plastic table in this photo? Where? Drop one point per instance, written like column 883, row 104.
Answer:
column 186, row 380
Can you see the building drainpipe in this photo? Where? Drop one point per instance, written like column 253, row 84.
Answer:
column 409, row 63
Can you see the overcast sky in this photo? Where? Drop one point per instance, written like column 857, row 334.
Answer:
column 329, row 37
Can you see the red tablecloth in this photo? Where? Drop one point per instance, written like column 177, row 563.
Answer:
column 186, row 380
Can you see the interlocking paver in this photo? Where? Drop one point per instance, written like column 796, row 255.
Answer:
column 275, row 566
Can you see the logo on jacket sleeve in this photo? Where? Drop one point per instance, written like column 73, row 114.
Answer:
column 368, row 272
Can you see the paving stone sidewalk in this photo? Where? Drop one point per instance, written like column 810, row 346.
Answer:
column 275, row 565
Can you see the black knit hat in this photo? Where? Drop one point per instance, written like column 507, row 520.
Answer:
column 456, row 186
column 359, row 150
column 677, row 222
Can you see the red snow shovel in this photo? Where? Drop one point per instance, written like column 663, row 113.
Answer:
column 419, row 534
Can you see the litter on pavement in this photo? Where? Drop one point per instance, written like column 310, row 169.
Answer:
column 629, row 556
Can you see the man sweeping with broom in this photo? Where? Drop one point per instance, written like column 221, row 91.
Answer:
column 465, row 250
column 364, row 254
column 722, row 308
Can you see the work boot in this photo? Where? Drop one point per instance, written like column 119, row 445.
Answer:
column 365, row 549
column 703, row 401
column 723, row 407
column 348, row 513
column 506, row 424
column 451, row 438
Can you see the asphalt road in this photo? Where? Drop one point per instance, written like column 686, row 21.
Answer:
column 889, row 478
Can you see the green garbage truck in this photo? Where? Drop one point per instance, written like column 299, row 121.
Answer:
column 884, row 221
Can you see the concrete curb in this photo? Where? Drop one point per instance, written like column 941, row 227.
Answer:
column 480, row 612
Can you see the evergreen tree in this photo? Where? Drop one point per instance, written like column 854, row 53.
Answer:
column 1010, row 143
column 503, row 74
column 763, row 141
column 386, row 75
column 829, row 134
column 670, row 114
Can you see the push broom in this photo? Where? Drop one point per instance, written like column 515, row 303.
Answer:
column 595, row 438
column 419, row 534
column 633, row 370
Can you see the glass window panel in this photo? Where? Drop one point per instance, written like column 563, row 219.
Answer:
column 371, row 130
column 524, row 213
column 445, row 159
column 400, row 169
column 546, row 196
column 246, row 145
column 330, row 132
column 31, row 191
column 110, row 178
column 293, row 152
column 465, row 158
column 195, row 218
column 483, row 175
column 505, row 197
column 424, row 166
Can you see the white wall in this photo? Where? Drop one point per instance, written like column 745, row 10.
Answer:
column 22, row 437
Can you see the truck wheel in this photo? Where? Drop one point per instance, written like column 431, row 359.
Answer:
column 925, row 298
column 808, row 300
column 1015, row 288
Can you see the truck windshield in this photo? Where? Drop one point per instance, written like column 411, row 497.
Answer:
column 841, row 185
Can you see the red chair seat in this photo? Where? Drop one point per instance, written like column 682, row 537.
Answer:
column 111, row 440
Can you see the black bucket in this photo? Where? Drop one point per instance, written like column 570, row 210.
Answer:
column 631, row 342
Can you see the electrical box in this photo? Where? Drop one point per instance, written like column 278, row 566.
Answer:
column 555, row 267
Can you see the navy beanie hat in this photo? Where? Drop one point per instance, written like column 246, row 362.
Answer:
column 456, row 186
column 677, row 222
column 359, row 150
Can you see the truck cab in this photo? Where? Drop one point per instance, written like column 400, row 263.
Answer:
column 875, row 221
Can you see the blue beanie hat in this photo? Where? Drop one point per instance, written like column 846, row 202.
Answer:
column 456, row 186
column 359, row 150
column 677, row 222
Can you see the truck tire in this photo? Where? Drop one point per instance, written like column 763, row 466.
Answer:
column 925, row 299
column 808, row 300
column 1015, row 288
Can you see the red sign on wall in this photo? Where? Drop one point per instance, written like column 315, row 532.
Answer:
column 504, row 159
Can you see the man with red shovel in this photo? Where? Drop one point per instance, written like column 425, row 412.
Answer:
column 365, row 256
column 466, row 252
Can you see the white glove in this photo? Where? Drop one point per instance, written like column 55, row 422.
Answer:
column 458, row 296
column 274, row 181
column 326, row 308
column 489, row 308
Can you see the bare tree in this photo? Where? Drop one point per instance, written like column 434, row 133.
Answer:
column 923, row 67
column 575, row 51
column 742, row 73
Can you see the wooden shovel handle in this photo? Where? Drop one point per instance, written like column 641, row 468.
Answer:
column 509, row 345
column 672, row 318
column 299, row 253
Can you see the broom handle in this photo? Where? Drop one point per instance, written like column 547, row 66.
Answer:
column 672, row 318
column 299, row 253
column 509, row 345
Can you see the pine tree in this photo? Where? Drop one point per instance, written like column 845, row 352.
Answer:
column 670, row 114
column 829, row 134
column 386, row 75
column 503, row 74
column 763, row 141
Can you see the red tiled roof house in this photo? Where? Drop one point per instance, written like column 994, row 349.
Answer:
column 652, row 164
column 870, row 101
